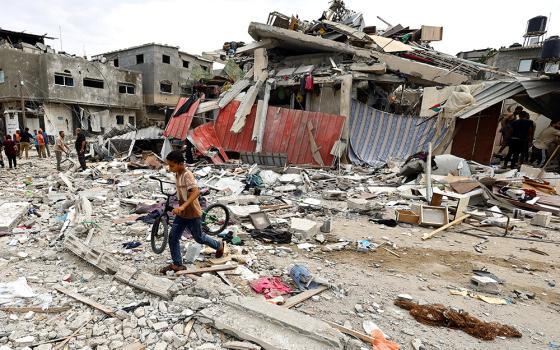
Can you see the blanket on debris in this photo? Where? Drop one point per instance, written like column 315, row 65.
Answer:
column 377, row 137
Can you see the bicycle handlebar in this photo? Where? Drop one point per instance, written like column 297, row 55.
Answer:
column 161, row 182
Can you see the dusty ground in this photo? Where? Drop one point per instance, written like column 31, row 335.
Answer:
column 425, row 270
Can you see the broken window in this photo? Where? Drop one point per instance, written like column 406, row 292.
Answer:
column 186, row 64
column 165, row 87
column 166, row 59
column 63, row 79
column 525, row 66
column 93, row 83
column 1, row 76
column 125, row 88
column 132, row 120
column 204, row 68
column 120, row 119
column 116, row 62
column 140, row 58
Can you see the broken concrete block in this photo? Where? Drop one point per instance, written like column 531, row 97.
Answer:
column 286, row 188
column 485, row 284
column 291, row 179
column 303, row 228
column 361, row 204
column 542, row 218
column 240, row 200
column 11, row 214
column 335, row 195
column 239, row 345
column 272, row 326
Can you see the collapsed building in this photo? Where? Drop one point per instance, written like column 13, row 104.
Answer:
column 314, row 92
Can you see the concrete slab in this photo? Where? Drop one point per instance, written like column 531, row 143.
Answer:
column 303, row 228
column 11, row 214
column 271, row 326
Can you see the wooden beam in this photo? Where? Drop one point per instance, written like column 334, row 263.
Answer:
column 303, row 296
column 361, row 336
column 24, row 309
column 245, row 107
column 445, row 227
column 61, row 345
column 86, row 301
column 215, row 268
column 262, row 114
column 315, row 151
column 235, row 90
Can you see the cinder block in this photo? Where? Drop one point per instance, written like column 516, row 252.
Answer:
column 542, row 218
column 485, row 284
column 304, row 229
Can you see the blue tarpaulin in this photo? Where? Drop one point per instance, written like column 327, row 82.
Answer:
column 377, row 136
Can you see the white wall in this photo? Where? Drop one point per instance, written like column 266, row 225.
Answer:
column 58, row 117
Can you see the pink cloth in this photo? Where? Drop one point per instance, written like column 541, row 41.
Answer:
column 271, row 287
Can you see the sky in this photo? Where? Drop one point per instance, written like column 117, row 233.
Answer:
column 98, row 26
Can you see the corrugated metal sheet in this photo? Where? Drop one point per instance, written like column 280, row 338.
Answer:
column 150, row 133
column 178, row 126
column 285, row 132
column 204, row 139
column 491, row 94
column 376, row 136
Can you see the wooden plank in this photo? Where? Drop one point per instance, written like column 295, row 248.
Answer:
column 134, row 346
column 313, row 145
column 445, row 227
column 303, row 296
column 86, row 301
column 61, row 345
column 245, row 107
column 263, row 113
column 24, row 309
column 207, row 269
column 188, row 328
column 235, row 90
column 361, row 336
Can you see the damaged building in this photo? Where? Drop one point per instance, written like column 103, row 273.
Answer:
column 167, row 74
column 40, row 88
column 315, row 92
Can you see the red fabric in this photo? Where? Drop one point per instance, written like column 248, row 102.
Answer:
column 308, row 82
column 271, row 287
column 10, row 148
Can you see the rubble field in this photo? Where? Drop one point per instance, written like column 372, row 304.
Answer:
column 67, row 281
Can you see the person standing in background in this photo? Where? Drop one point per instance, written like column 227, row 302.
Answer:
column 81, row 148
column 522, row 130
column 17, row 140
column 40, row 140
column 25, row 141
column 59, row 147
column 46, row 137
column 10, row 149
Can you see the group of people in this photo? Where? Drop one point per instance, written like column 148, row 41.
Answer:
column 17, row 146
column 518, row 134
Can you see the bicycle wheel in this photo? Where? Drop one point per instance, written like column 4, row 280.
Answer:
column 215, row 218
column 160, row 235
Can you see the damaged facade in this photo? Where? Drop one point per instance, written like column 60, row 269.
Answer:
column 167, row 74
column 55, row 91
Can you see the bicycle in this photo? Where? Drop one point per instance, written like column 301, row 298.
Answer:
column 215, row 218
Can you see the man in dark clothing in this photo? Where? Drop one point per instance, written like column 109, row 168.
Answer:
column 24, row 143
column 81, row 148
column 521, row 132
column 10, row 149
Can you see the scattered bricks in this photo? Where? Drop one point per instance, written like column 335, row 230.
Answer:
column 304, row 229
column 542, row 218
column 485, row 284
